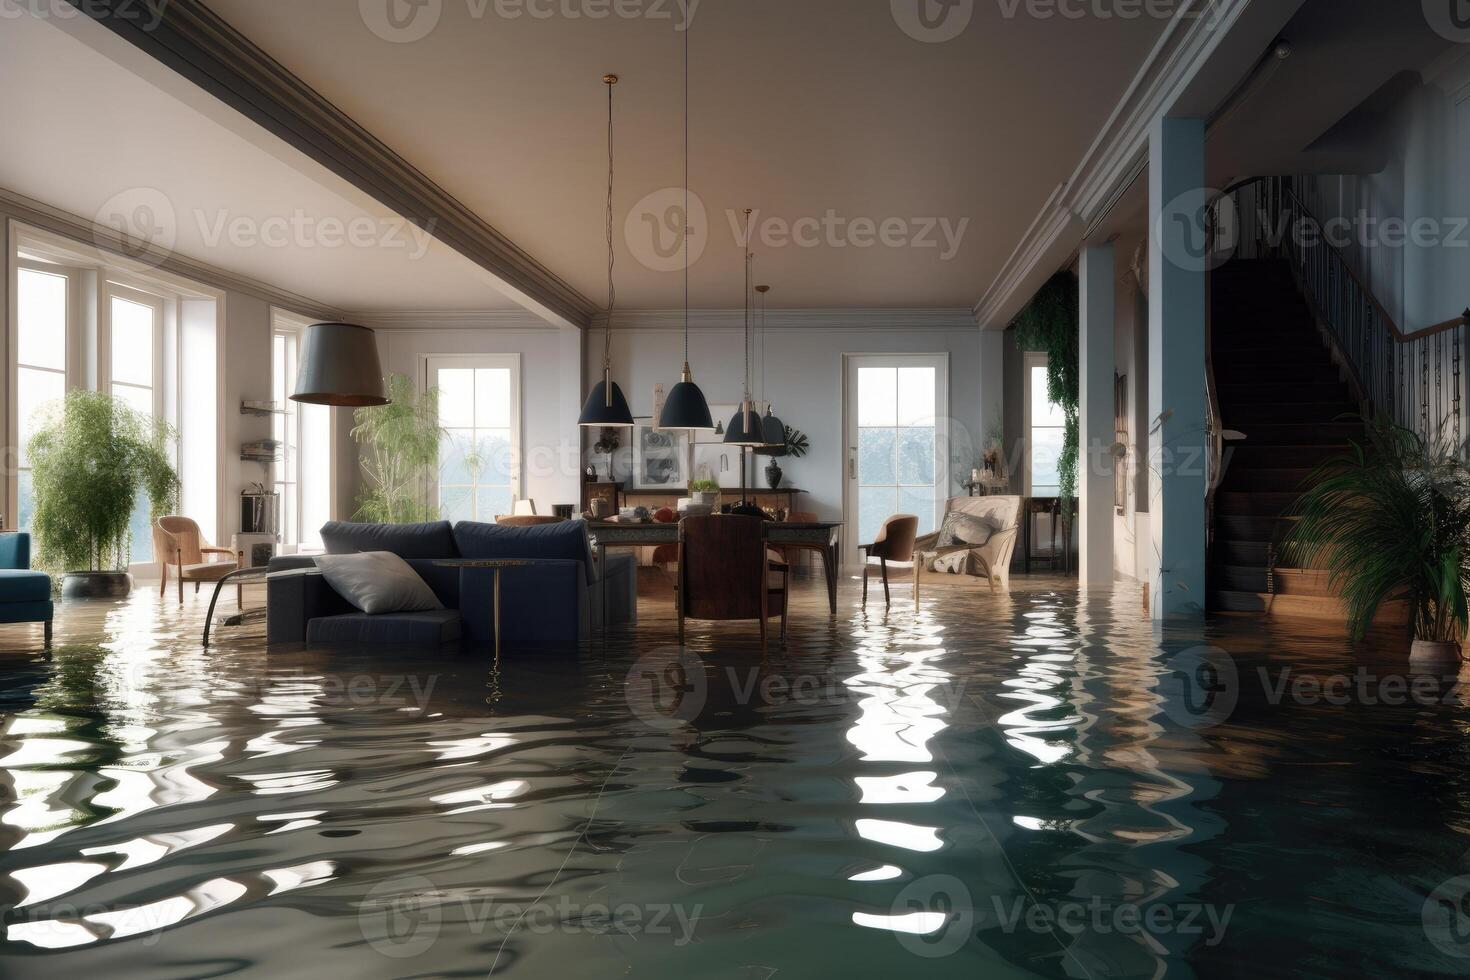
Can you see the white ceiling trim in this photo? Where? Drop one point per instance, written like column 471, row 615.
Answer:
column 134, row 254
column 817, row 319
column 1115, row 156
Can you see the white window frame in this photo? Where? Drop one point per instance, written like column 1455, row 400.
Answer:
column 431, row 363
column 291, row 327
column 71, row 372
column 1032, row 360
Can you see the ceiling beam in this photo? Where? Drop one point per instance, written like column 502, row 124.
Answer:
column 193, row 41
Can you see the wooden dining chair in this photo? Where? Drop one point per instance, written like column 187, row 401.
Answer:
column 179, row 544
column 895, row 542
column 726, row 574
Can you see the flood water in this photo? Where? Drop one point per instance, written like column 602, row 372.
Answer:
column 1032, row 785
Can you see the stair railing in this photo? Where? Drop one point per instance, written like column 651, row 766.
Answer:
column 1415, row 379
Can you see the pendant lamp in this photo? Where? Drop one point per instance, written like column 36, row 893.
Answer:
column 606, row 406
column 745, row 428
column 339, row 366
column 686, row 407
column 773, row 430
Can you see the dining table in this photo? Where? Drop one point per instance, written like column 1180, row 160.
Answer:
column 823, row 537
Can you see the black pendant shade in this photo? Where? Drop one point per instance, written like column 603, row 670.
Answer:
column 738, row 433
column 685, row 407
column 773, row 430
column 339, row 366
column 601, row 411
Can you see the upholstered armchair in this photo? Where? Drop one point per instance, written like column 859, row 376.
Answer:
column 977, row 538
column 25, row 595
column 178, row 544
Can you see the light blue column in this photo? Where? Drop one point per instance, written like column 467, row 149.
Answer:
column 1177, row 269
column 1097, row 427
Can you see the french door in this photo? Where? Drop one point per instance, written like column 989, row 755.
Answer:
column 897, row 418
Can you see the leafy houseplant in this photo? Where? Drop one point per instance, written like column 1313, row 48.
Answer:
column 1391, row 520
column 1050, row 323
column 90, row 458
column 796, row 446
column 402, row 443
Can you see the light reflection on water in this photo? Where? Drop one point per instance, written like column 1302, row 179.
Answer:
column 895, row 794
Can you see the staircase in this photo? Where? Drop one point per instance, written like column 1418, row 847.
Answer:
column 1278, row 385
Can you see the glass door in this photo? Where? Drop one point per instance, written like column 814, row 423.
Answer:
column 135, row 324
column 897, row 420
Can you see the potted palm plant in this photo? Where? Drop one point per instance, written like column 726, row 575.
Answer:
column 1391, row 520
column 91, row 458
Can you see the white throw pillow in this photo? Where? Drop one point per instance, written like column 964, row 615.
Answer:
column 378, row 582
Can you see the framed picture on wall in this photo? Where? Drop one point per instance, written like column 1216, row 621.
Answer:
column 660, row 459
column 715, row 461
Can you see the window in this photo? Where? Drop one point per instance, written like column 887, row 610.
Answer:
column 479, row 452
column 42, row 302
column 135, row 327
column 303, row 477
column 1046, row 428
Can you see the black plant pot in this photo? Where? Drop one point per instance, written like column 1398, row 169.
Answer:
column 96, row 585
column 774, row 474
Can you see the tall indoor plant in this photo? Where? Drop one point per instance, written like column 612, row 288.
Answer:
column 401, row 444
column 1391, row 520
column 1050, row 323
column 91, row 456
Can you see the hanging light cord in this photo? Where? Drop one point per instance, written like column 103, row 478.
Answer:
column 686, row 194
column 747, row 304
column 612, row 291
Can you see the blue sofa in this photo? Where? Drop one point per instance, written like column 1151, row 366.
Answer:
column 546, row 605
column 25, row 596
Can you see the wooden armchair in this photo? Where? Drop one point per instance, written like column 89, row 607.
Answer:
column 895, row 542
column 178, row 543
column 725, row 573
column 977, row 538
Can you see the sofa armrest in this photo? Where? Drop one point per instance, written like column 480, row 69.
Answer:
column 927, row 542
column 293, row 599
column 15, row 551
column 286, row 563
column 996, row 553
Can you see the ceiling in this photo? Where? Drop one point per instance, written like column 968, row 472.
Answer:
column 798, row 110
column 104, row 131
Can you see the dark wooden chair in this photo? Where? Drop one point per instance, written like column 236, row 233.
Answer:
column 895, row 542
column 725, row 573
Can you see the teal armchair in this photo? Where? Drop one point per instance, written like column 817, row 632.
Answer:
column 25, row 596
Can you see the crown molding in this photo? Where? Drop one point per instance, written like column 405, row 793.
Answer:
column 199, row 45
column 813, row 319
column 140, row 255
column 454, row 320
column 1118, row 153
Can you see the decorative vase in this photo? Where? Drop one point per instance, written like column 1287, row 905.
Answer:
column 773, row 474
column 709, row 498
column 1434, row 654
column 96, row 585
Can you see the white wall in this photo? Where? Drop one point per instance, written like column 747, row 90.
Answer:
column 551, row 385
column 804, row 381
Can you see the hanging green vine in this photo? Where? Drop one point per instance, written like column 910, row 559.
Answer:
column 1050, row 324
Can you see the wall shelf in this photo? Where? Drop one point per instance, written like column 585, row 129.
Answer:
column 260, row 408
